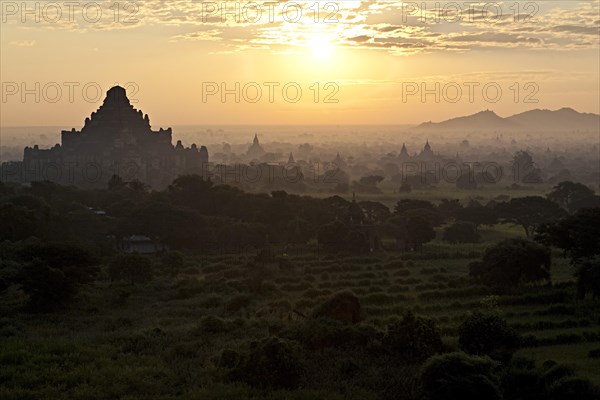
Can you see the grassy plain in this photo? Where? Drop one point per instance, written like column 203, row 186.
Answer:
column 163, row 339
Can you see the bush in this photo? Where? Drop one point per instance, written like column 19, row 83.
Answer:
column 487, row 334
column 213, row 324
column 47, row 287
column 412, row 339
column 595, row 353
column 342, row 306
column 458, row 376
column 52, row 273
column 511, row 262
column 316, row 334
column 271, row 363
column 572, row 388
column 134, row 268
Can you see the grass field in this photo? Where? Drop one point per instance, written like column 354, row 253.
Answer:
column 167, row 335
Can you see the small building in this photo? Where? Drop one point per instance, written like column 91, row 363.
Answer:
column 142, row 245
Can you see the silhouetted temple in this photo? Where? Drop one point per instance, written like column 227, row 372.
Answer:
column 255, row 150
column 116, row 140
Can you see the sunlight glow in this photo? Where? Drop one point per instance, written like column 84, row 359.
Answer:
column 320, row 47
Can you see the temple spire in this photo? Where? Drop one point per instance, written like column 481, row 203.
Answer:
column 404, row 151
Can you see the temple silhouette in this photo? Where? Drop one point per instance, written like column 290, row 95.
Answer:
column 116, row 139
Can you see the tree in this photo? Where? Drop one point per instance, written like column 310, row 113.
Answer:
column 52, row 273
column 190, row 190
column 133, row 268
column 368, row 184
column 48, row 288
column 432, row 216
column 74, row 260
column 5, row 190
column 356, row 241
column 337, row 236
column 577, row 235
column 476, row 215
column 524, row 169
column 487, row 334
column 409, row 204
column 138, row 188
column 530, row 212
column 511, row 262
column 588, row 278
column 419, row 232
column 448, row 208
column 412, row 339
column 115, row 183
column 374, row 212
column 572, row 196
column 458, row 376
column 461, row 232
column 405, row 187
column 331, row 236
column 242, row 235
column 397, row 227
column 18, row 222
column 299, row 231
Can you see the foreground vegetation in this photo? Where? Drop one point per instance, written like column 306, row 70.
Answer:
column 83, row 321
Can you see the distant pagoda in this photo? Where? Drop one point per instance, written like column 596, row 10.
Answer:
column 116, row 139
column 255, row 150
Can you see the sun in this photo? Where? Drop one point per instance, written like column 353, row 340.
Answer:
column 320, row 47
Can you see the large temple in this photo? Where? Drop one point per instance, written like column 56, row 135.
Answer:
column 116, row 140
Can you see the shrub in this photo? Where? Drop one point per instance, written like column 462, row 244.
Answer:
column 173, row 262
column 271, row 363
column 412, row 339
column 134, row 268
column 458, row 376
column 595, row 353
column 342, row 306
column 487, row 334
column 213, row 324
column 52, row 273
column 572, row 388
column 316, row 334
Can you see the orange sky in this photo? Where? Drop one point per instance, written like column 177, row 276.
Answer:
column 355, row 62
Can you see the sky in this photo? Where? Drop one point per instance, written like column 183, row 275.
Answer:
column 188, row 62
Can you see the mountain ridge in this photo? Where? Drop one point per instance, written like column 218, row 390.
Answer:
column 562, row 119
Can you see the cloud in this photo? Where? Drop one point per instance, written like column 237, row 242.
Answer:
column 209, row 35
column 385, row 26
column 23, row 43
